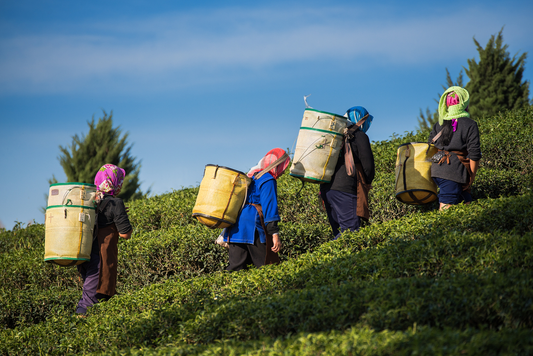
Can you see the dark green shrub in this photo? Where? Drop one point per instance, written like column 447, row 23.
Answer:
column 415, row 280
column 35, row 305
column 364, row 341
column 460, row 269
column 163, row 211
column 20, row 237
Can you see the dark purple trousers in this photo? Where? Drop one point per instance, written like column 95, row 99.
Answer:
column 89, row 271
column 341, row 208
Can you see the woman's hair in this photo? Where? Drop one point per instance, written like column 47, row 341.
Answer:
column 447, row 132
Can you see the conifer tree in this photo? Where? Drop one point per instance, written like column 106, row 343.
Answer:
column 496, row 80
column 425, row 123
column 495, row 83
column 103, row 144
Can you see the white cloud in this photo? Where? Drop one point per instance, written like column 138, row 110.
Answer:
column 198, row 46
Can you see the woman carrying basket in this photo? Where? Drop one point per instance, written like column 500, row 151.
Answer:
column 100, row 273
column 254, row 238
column 457, row 138
column 346, row 196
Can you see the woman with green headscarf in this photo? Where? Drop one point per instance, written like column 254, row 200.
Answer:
column 457, row 138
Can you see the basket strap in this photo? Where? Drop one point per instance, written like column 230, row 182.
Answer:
column 270, row 256
column 348, row 156
column 437, row 136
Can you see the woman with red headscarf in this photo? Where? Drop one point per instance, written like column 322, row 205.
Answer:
column 254, row 238
column 100, row 273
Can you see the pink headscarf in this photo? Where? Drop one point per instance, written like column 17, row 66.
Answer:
column 451, row 100
column 270, row 158
column 109, row 180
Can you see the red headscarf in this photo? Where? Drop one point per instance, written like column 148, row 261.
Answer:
column 271, row 157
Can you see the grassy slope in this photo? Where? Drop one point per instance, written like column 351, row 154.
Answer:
column 415, row 280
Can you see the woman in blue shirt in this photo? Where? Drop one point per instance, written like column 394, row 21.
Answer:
column 254, row 238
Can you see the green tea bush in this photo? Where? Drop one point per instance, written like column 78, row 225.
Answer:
column 181, row 252
column 460, row 269
column 163, row 211
column 506, row 141
column 20, row 237
column 31, row 289
column 415, row 280
column 299, row 203
column 34, row 305
column 363, row 341
column 24, row 268
column 507, row 164
column 300, row 238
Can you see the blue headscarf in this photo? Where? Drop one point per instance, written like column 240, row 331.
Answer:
column 357, row 113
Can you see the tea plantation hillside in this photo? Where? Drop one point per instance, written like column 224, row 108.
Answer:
column 414, row 281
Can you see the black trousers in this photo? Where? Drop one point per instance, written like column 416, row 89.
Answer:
column 243, row 255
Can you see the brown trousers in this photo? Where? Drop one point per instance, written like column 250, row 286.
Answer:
column 108, row 242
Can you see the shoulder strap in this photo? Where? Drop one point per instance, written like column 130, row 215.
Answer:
column 348, row 156
column 436, row 137
column 270, row 257
column 434, row 140
column 99, row 208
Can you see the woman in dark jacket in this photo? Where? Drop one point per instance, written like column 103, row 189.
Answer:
column 340, row 196
column 459, row 147
column 100, row 273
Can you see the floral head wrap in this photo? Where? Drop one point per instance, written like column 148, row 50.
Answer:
column 275, row 155
column 109, row 180
column 453, row 104
column 357, row 113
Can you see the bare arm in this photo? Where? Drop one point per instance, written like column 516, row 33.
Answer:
column 276, row 243
column 474, row 165
column 127, row 235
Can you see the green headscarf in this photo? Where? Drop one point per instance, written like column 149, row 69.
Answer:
column 455, row 111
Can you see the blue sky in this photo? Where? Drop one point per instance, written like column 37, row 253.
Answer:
column 209, row 82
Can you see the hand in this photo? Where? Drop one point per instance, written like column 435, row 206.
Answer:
column 127, row 235
column 276, row 243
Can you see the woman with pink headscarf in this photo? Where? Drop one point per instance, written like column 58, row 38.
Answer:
column 254, row 238
column 459, row 147
column 100, row 273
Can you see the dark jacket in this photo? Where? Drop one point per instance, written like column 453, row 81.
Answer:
column 465, row 138
column 362, row 153
column 114, row 213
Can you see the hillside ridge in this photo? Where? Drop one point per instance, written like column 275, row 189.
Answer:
column 416, row 280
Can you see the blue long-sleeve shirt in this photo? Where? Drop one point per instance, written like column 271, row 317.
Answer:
column 262, row 191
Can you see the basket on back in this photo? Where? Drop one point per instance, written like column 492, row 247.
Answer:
column 221, row 196
column 318, row 146
column 69, row 223
column 414, row 184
